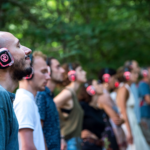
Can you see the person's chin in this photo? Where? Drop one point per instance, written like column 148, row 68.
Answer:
column 42, row 88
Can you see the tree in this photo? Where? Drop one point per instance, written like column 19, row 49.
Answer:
column 97, row 33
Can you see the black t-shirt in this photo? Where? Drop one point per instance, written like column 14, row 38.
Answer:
column 93, row 119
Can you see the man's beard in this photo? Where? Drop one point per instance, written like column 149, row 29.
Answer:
column 55, row 80
column 19, row 71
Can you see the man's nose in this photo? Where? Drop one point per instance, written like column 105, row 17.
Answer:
column 48, row 76
column 27, row 51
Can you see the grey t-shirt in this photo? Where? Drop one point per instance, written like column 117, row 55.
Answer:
column 8, row 122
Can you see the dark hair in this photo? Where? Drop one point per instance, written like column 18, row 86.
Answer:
column 83, row 95
column 110, row 71
column 66, row 67
column 120, row 73
column 49, row 61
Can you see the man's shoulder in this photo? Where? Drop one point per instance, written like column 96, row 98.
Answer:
column 142, row 83
column 23, row 99
column 4, row 93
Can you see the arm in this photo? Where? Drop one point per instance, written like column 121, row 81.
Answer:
column 26, row 136
column 103, row 102
column 147, row 99
column 122, row 97
column 113, row 115
column 2, row 129
column 145, row 92
column 63, row 144
column 41, row 103
column 42, row 123
column 62, row 98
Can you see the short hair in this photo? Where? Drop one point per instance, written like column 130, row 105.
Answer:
column 49, row 61
column 39, row 54
column 83, row 95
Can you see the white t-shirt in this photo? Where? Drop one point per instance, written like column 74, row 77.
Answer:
column 28, row 116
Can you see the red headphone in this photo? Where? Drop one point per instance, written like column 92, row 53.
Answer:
column 29, row 77
column 144, row 72
column 106, row 76
column 117, row 84
column 127, row 74
column 90, row 89
column 71, row 73
column 6, row 58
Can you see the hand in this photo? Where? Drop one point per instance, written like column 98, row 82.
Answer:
column 118, row 121
column 63, row 144
column 130, row 139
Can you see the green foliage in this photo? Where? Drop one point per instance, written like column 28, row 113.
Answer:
column 97, row 33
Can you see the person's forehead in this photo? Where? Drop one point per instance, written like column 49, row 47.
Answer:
column 10, row 39
column 55, row 62
column 39, row 63
column 134, row 64
column 78, row 68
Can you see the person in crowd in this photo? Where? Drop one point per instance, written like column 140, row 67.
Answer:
column 93, row 122
column 14, row 64
column 70, row 111
column 30, row 129
column 107, row 76
column 144, row 92
column 134, row 64
column 47, row 109
column 125, row 102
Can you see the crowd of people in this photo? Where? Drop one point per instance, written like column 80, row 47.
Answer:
column 111, row 112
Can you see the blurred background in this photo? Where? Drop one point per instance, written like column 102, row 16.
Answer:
column 96, row 33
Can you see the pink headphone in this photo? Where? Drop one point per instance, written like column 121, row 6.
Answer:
column 6, row 58
column 144, row 72
column 71, row 73
column 127, row 74
column 90, row 89
column 106, row 76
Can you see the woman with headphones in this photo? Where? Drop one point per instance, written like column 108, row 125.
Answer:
column 107, row 76
column 93, row 122
column 70, row 111
column 125, row 101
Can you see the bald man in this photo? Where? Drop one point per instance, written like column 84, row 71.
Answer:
column 14, row 65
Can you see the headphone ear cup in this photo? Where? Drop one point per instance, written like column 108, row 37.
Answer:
column 90, row 90
column 117, row 84
column 127, row 75
column 106, row 77
column 144, row 73
column 72, row 75
column 6, row 58
column 29, row 77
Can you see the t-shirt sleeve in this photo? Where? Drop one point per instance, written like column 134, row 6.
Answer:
column 2, row 129
column 41, row 103
column 144, row 89
column 25, row 113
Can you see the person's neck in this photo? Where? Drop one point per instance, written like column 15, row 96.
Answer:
column 146, row 80
column 74, row 86
column 51, row 85
column 93, row 102
column 24, row 84
column 7, row 82
column 105, row 86
column 129, row 83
